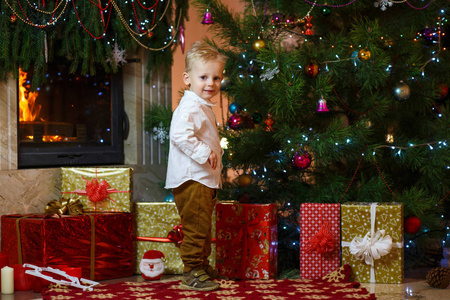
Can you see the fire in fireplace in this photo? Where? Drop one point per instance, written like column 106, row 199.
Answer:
column 71, row 120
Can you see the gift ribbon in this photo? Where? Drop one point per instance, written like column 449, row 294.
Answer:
column 71, row 206
column 373, row 246
column 174, row 236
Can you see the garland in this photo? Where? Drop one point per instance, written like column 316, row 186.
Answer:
column 33, row 34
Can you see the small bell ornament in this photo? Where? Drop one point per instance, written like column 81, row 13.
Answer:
column 322, row 107
column 207, row 18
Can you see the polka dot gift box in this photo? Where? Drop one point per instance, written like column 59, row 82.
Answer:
column 372, row 241
column 320, row 237
column 156, row 226
column 102, row 189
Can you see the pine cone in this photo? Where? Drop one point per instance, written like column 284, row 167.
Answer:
column 439, row 277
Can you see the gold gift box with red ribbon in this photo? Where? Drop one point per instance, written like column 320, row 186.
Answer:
column 320, row 239
column 157, row 227
column 102, row 189
column 246, row 240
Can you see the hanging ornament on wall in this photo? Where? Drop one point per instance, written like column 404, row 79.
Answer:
column 412, row 224
column 235, row 108
column 256, row 117
column 326, row 11
column 322, row 107
column 258, row 44
column 401, row 91
column 308, row 25
column 207, row 18
column 311, row 70
column 301, row 160
column 269, row 122
column 364, row 54
column 182, row 39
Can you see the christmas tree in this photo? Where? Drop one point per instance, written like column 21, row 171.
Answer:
column 337, row 101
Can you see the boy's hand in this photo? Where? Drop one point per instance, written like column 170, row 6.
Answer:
column 212, row 159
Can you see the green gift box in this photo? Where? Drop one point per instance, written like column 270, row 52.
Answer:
column 102, row 189
column 372, row 241
column 153, row 223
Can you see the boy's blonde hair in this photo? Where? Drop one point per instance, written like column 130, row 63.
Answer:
column 202, row 52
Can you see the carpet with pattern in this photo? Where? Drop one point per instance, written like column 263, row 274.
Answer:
column 330, row 287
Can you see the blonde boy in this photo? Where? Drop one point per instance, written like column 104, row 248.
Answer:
column 195, row 164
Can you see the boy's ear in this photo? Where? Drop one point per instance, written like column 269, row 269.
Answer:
column 186, row 78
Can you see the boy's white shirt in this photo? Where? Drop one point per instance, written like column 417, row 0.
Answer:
column 193, row 135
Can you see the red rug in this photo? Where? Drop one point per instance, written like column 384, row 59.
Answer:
column 230, row 290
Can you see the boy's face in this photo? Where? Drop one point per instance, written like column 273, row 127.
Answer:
column 205, row 78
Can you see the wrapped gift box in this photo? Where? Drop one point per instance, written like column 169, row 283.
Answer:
column 101, row 244
column 380, row 226
column 153, row 223
column 99, row 189
column 246, row 240
column 320, row 225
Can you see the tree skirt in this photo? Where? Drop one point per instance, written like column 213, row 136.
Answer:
column 235, row 290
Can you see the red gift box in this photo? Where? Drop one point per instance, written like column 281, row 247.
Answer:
column 319, row 239
column 246, row 240
column 101, row 244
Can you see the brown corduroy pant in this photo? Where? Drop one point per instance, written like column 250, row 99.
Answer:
column 195, row 203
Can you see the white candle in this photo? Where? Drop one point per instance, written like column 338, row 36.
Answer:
column 7, row 280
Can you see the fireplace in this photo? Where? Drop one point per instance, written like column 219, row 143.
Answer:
column 71, row 120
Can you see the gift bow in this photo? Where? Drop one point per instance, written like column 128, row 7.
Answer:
column 176, row 235
column 371, row 247
column 64, row 206
column 323, row 240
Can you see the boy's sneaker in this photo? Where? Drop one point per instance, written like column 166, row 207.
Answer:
column 198, row 280
column 214, row 273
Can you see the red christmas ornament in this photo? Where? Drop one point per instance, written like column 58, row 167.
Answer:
column 301, row 160
column 236, row 121
column 311, row 70
column 442, row 90
column 269, row 122
column 412, row 224
column 13, row 18
column 308, row 26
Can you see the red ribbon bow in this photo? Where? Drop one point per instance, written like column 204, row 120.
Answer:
column 323, row 240
column 176, row 235
column 97, row 191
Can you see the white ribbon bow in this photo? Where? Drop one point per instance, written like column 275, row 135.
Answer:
column 371, row 247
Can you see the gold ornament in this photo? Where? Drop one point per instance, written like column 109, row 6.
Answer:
column 258, row 44
column 364, row 54
column 244, row 180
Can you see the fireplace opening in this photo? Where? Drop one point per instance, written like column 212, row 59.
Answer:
column 71, row 120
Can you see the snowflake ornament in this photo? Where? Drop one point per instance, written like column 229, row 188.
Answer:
column 269, row 74
column 383, row 4
column 160, row 133
column 118, row 55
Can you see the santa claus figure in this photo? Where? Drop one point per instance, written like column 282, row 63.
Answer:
column 152, row 265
